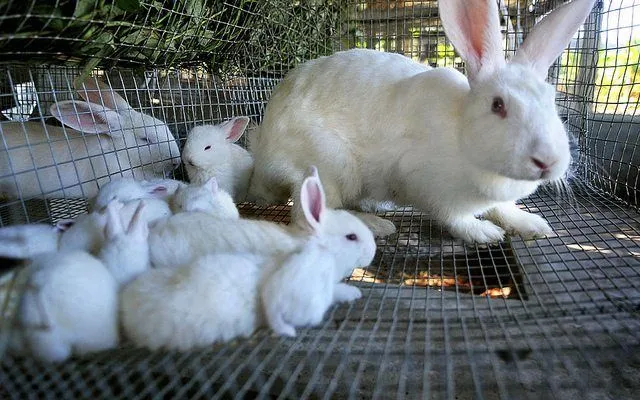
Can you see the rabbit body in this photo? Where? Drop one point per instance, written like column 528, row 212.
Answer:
column 207, row 198
column 70, row 306
column 213, row 299
column 458, row 146
column 103, row 137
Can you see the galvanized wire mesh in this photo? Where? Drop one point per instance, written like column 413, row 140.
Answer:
column 550, row 318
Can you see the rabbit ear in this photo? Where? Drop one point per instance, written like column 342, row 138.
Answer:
column 473, row 26
column 158, row 191
column 87, row 117
column 234, row 128
column 137, row 225
column 312, row 201
column 113, row 227
column 549, row 37
column 94, row 90
column 212, row 184
column 63, row 225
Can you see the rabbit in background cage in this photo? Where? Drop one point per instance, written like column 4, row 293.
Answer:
column 211, row 151
column 107, row 137
column 381, row 126
column 216, row 297
column 207, row 198
column 70, row 302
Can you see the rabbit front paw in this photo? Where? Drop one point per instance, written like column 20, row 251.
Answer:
column 344, row 293
column 520, row 222
column 473, row 230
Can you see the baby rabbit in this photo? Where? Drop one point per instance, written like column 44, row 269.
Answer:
column 289, row 297
column 216, row 297
column 210, row 151
column 207, row 198
column 183, row 237
column 70, row 303
column 380, row 126
column 126, row 189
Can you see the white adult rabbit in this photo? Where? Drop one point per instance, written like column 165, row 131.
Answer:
column 127, row 189
column 382, row 126
column 211, row 151
column 207, row 198
column 216, row 297
column 185, row 236
column 70, row 305
column 289, row 297
column 107, row 138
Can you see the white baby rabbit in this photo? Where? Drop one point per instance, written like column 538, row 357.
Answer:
column 127, row 189
column 107, row 138
column 125, row 253
column 210, row 151
column 300, row 291
column 183, row 237
column 70, row 306
column 213, row 299
column 25, row 241
column 216, row 297
column 381, row 126
column 207, row 198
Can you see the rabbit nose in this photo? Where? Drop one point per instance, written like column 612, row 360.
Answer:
column 541, row 164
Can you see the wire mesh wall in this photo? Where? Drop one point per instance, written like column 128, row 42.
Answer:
column 549, row 318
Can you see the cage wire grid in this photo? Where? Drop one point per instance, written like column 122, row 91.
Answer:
column 555, row 317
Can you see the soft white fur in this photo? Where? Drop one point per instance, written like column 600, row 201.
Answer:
column 381, row 126
column 211, row 151
column 206, row 197
column 213, row 299
column 102, row 137
column 25, row 241
column 216, row 297
column 127, row 189
column 125, row 252
column 299, row 292
column 70, row 306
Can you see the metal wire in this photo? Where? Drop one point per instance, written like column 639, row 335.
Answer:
column 556, row 317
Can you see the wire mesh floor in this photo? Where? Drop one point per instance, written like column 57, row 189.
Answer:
column 551, row 318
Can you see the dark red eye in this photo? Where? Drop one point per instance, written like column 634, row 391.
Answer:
column 352, row 236
column 498, row 107
column 208, row 147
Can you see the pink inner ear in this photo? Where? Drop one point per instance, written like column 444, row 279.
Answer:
column 237, row 129
column 315, row 200
column 160, row 190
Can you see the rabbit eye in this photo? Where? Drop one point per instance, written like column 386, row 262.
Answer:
column 497, row 107
column 208, row 147
column 352, row 237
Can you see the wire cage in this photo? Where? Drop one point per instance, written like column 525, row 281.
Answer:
column 556, row 317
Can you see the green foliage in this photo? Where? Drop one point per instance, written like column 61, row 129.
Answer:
column 618, row 79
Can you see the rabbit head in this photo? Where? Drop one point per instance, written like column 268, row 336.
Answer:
column 346, row 237
column 210, row 145
column 510, row 112
column 144, row 141
column 125, row 252
column 126, row 189
column 207, row 198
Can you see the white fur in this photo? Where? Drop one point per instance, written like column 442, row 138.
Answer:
column 380, row 126
column 25, row 241
column 183, row 237
column 103, row 137
column 300, row 291
column 213, row 299
column 207, row 198
column 70, row 306
column 125, row 253
column 127, row 189
column 210, row 151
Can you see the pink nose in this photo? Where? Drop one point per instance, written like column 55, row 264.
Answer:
column 540, row 164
